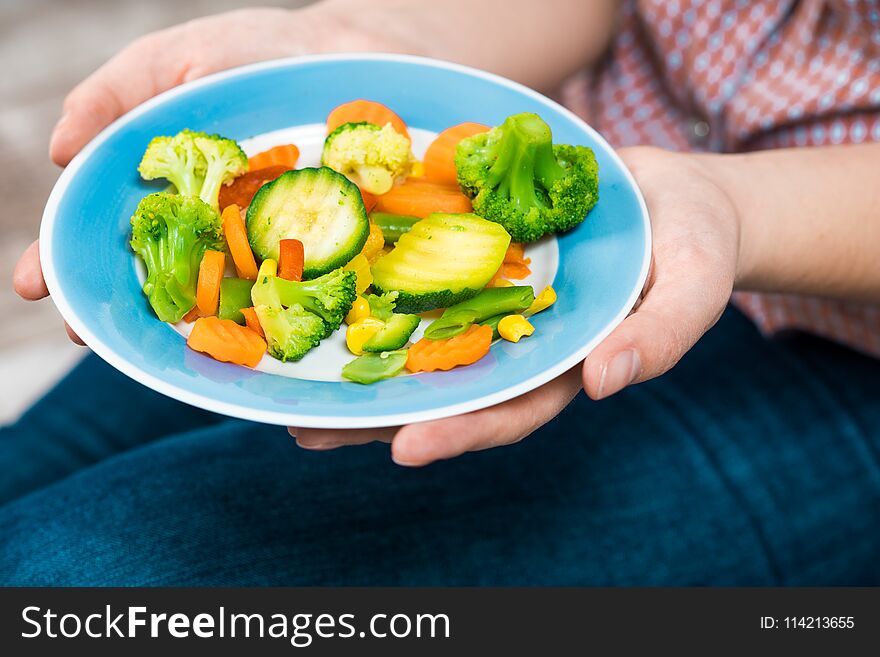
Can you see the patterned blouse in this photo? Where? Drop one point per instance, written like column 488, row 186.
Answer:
column 731, row 75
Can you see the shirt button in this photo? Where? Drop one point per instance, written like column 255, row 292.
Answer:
column 700, row 130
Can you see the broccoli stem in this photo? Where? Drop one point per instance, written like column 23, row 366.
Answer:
column 524, row 162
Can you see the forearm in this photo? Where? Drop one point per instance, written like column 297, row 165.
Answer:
column 810, row 219
column 536, row 43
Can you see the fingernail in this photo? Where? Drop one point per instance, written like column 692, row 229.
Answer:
column 402, row 461
column 317, row 446
column 292, row 431
column 618, row 373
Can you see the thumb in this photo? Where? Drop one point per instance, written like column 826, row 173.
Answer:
column 677, row 310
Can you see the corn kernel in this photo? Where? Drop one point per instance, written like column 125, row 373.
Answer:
column 514, row 327
column 359, row 309
column 544, row 300
column 418, row 169
column 361, row 331
column 361, row 266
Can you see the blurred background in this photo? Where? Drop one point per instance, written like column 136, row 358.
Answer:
column 46, row 47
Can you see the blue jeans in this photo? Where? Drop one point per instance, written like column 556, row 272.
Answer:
column 754, row 461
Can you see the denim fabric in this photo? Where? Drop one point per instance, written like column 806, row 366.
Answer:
column 753, row 462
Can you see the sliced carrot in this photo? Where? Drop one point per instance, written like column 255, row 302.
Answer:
column 516, row 252
column 365, row 110
column 224, row 340
column 241, row 190
column 208, row 286
column 290, row 260
column 419, row 198
column 192, row 315
column 252, row 321
column 285, row 155
column 516, row 265
column 469, row 347
column 237, row 241
column 440, row 157
column 515, row 270
column 369, row 200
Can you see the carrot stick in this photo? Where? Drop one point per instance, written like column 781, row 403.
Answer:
column 365, row 110
column 224, row 340
column 369, row 200
column 241, row 190
column 284, row 155
column 208, row 286
column 291, row 258
column 237, row 241
column 192, row 315
column 516, row 265
column 440, row 157
column 252, row 321
column 469, row 347
column 419, row 198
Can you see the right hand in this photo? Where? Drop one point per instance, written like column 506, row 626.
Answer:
column 159, row 61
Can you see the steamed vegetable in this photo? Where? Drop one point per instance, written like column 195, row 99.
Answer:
column 373, row 157
column 252, row 321
column 284, row 155
column 393, row 225
column 235, row 296
column 208, row 284
column 382, row 305
column 544, row 300
column 359, row 332
column 171, row 233
column 196, row 163
column 420, row 198
column 291, row 258
column 319, row 207
column 439, row 159
column 291, row 331
column 519, row 178
column 442, row 260
column 237, row 241
column 224, row 340
column 514, row 327
column 241, row 190
column 365, row 110
column 469, row 347
column 370, row 368
column 394, row 334
column 488, row 303
column 328, row 297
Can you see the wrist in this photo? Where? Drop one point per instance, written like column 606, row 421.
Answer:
column 731, row 175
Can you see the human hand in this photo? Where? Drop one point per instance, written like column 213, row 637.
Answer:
column 696, row 261
column 162, row 60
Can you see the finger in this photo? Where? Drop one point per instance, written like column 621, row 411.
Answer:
column 322, row 439
column 678, row 309
column 27, row 279
column 506, row 423
column 73, row 336
column 145, row 68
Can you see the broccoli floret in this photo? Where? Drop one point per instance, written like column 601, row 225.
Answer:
column 290, row 332
column 171, row 233
column 225, row 161
column 372, row 157
column 298, row 315
column 382, row 306
column 518, row 178
column 196, row 163
column 329, row 296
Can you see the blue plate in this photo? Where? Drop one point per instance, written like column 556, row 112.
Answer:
column 91, row 272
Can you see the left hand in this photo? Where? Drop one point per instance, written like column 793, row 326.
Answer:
column 697, row 257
